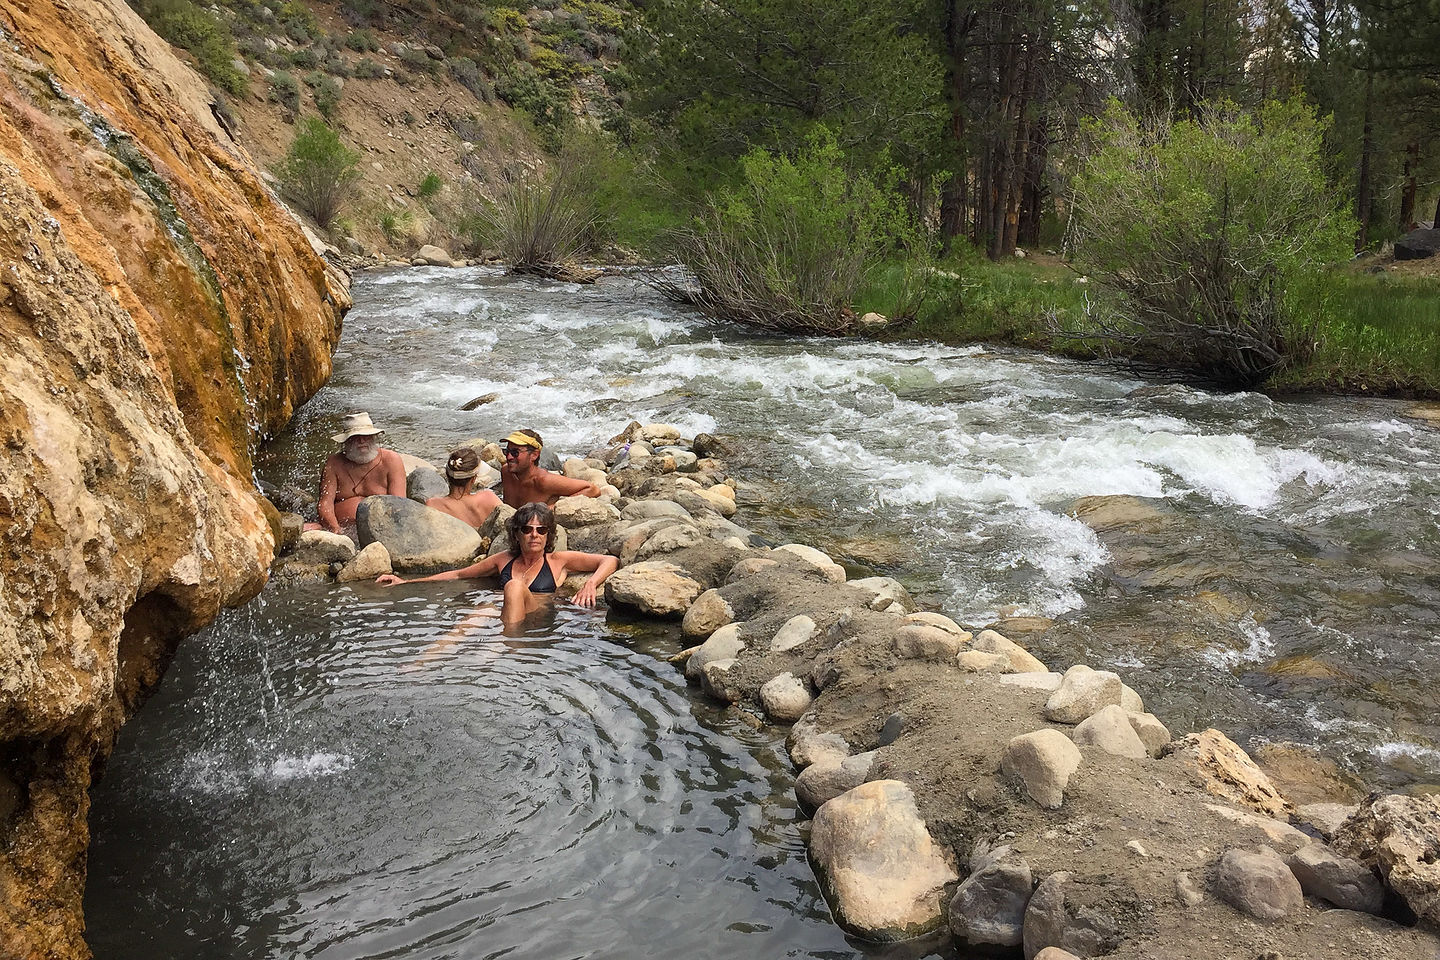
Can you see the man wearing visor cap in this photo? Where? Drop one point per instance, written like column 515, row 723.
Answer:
column 523, row 480
column 362, row 468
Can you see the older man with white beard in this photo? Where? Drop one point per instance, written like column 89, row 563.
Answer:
column 361, row 469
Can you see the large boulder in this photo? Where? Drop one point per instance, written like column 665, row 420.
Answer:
column 321, row 547
column 885, row 593
column 434, row 256
column 1347, row 883
column 1064, row 913
column 1020, row 660
column 815, row 560
column 1083, row 691
column 1418, row 244
column 918, row 641
column 1400, row 837
column 416, row 537
column 724, row 644
column 823, row 781
column 708, row 613
column 785, row 698
column 1110, row 730
column 794, row 632
column 654, row 587
column 884, row 873
column 366, row 565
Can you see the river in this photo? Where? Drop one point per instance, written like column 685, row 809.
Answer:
column 318, row 778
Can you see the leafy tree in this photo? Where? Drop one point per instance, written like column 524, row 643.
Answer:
column 724, row 78
column 1199, row 227
column 320, row 172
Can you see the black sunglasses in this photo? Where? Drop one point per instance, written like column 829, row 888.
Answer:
column 534, row 528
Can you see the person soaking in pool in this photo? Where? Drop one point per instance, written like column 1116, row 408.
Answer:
column 532, row 568
column 460, row 470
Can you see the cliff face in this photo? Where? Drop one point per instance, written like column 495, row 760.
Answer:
column 158, row 311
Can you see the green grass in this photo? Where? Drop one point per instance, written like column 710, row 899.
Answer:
column 1376, row 333
column 970, row 300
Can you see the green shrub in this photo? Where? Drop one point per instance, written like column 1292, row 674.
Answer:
column 395, row 224
column 319, row 173
column 363, row 41
column 286, row 92
column 327, row 94
column 508, row 20
column 368, row 69
column 204, row 36
column 523, row 89
column 304, row 59
column 540, row 224
column 429, row 185
column 417, row 59
column 469, row 75
column 794, row 245
column 1198, row 227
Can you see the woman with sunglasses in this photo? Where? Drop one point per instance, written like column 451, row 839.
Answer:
column 532, row 567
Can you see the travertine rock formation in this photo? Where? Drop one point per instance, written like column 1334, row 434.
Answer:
column 158, row 312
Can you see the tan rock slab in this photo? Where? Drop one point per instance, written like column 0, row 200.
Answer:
column 1228, row 772
column 654, row 587
column 885, row 875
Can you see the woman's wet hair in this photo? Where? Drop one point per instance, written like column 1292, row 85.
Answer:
column 531, row 513
column 461, row 466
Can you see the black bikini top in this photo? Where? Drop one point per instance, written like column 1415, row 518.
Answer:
column 544, row 581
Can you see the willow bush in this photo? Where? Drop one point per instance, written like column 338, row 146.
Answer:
column 1198, row 227
column 546, row 223
column 798, row 240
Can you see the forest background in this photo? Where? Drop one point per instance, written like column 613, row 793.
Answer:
column 1206, row 189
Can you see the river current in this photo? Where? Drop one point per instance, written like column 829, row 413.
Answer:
column 338, row 772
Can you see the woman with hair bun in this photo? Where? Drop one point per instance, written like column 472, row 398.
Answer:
column 532, row 567
column 460, row 470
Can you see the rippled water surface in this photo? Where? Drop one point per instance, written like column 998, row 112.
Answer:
column 343, row 773
column 309, row 795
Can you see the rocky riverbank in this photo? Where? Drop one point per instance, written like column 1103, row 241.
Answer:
column 159, row 311
column 958, row 783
